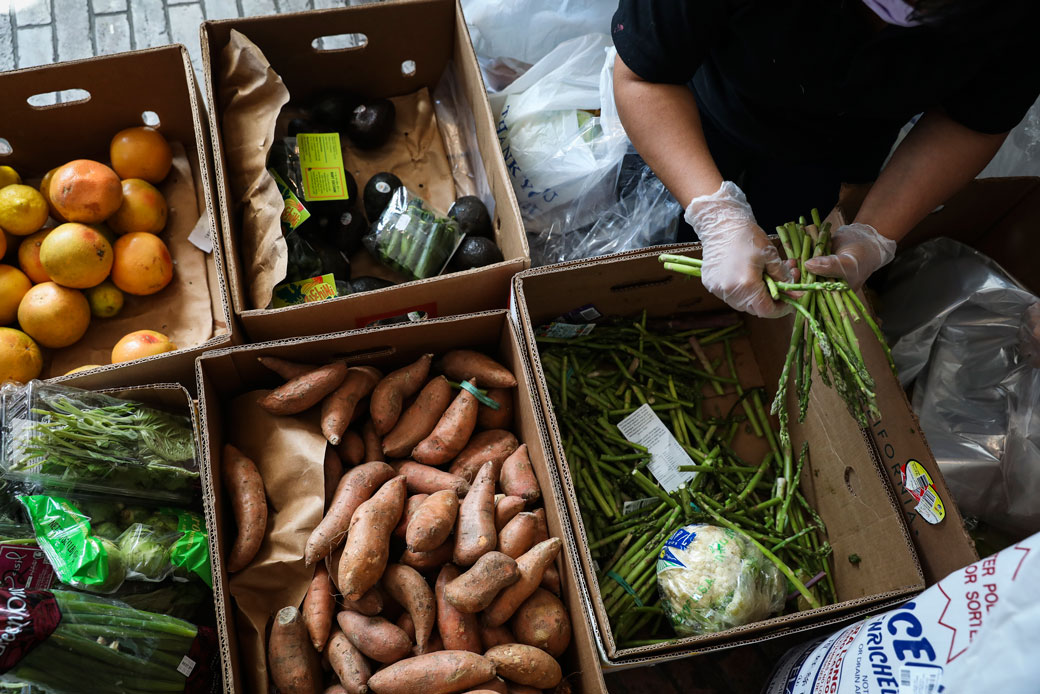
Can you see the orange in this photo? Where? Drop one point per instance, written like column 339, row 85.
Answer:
column 142, row 265
column 143, row 209
column 53, row 315
column 3, row 244
column 45, row 191
column 141, row 153
column 20, row 357
column 105, row 300
column 22, row 209
column 140, row 344
column 85, row 191
column 13, row 286
column 85, row 367
column 29, row 256
column 74, row 255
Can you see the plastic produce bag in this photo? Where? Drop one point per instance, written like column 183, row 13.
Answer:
column 974, row 631
column 560, row 133
column 411, row 238
column 64, row 438
column 455, row 120
column 956, row 323
column 68, row 643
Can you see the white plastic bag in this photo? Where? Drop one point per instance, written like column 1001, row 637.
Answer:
column 555, row 146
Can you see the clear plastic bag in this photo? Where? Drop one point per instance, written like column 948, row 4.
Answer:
column 64, row 438
column 961, row 332
column 68, row 642
column 459, row 132
column 413, row 239
column 712, row 578
column 96, row 544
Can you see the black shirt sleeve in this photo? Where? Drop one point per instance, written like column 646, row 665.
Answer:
column 997, row 97
column 665, row 40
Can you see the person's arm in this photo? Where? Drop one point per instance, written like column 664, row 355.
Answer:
column 937, row 158
column 664, row 125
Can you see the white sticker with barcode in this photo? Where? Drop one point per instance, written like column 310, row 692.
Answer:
column 919, row 678
column 186, row 667
column 565, row 330
column 666, row 455
column 402, row 222
column 633, row 506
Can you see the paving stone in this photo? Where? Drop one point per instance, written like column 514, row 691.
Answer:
column 220, row 9
column 101, row 6
column 184, row 29
column 35, row 46
column 149, row 21
column 73, row 29
column 6, row 36
column 111, row 33
column 294, row 5
column 255, row 8
column 28, row 12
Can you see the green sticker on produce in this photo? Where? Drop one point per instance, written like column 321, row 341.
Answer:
column 191, row 549
column 63, row 534
column 321, row 160
column 293, row 213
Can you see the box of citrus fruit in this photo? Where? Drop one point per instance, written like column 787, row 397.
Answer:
column 111, row 272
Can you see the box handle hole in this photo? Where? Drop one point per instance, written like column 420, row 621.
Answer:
column 408, row 68
column 340, row 42
column 63, row 97
column 852, row 481
column 150, row 118
column 640, row 285
column 5, row 147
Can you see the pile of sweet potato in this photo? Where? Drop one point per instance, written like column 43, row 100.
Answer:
column 434, row 570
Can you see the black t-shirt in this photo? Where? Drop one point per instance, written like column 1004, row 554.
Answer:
column 817, row 80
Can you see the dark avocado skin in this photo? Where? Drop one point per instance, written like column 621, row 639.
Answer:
column 339, row 222
column 370, row 124
column 330, row 110
column 472, row 215
column 299, row 125
column 376, row 200
column 474, row 251
column 369, row 284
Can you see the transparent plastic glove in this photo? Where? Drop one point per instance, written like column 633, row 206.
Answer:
column 736, row 252
column 857, row 251
column 1029, row 336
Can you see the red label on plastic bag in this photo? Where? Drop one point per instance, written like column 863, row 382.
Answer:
column 27, row 619
column 25, row 567
column 202, row 664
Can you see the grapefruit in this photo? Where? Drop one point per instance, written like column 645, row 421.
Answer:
column 75, row 255
column 29, row 256
column 142, row 264
column 85, row 191
column 143, row 209
column 13, row 286
column 141, row 152
column 45, row 191
column 105, row 300
column 53, row 315
column 20, row 357
column 140, row 344
column 22, row 209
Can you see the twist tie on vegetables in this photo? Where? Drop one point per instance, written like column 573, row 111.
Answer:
column 478, row 394
column 624, row 586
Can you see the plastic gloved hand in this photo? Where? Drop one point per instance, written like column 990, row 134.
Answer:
column 857, row 251
column 736, row 252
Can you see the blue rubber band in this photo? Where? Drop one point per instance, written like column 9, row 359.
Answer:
column 484, row 400
column 624, row 585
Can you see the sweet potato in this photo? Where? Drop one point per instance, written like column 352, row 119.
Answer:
column 475, row 532
column 410, row 590
column 495, row 636
column 444, row 672
column 517, row 476
column 423, row 479
column 435, row 644
column 410, row 507
column 377, row 638
column 332, row 565
column 358, row 485
column 318, row 606
column 476, row 589
column 465, row 364
column 495, row 445
column 351, row 448
column 433, row 521
column 459, row 630
column 502, row 418
column 333, row 470
column 542, row 531
column 506, row 508
column 405, row 624
column 337, row 409
column 248, row 505
column 419, row 419
column 525, row 665
column 337, row 688
column 391, row 392
column 348, row 663
column 370, row 604
column 284, row 368
column 551, row 577
column 452, row 432
column 428, row 561
column 368, row 539
column 373, row 443
column 303, row 392
column 518, row 535
column 531, row 566
column 542, row 621
column 292, row 662
column 495, row 685
column 514, row 688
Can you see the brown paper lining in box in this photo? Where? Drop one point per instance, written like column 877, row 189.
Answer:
column 183, row 311
column 253, row 95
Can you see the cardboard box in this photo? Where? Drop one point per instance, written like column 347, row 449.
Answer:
column 122, row 89
column 428, row 32
column 844, row 480
column 226, row 373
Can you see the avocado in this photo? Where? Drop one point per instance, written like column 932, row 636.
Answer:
column 472, row 215
column 331, row 109
column 369, row 124
column 339, row 222
column 331, row 259
column 474, row 251
column 299, row 125
column 378, row 191
column 368, row 284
